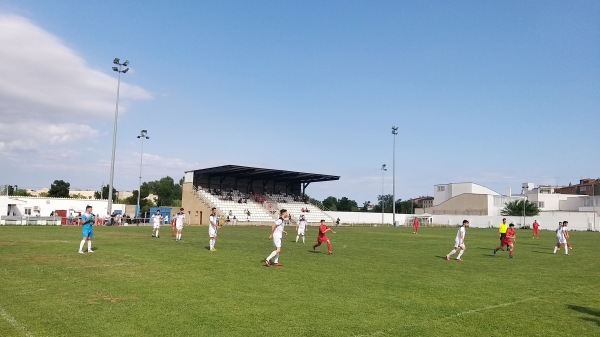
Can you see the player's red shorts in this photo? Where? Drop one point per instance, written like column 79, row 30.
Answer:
column 536, row 230
column 322, row 238
column 507, row 241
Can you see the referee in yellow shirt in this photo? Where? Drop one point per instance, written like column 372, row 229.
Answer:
column 502, row 230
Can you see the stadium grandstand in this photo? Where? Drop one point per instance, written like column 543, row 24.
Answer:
column 250, row 195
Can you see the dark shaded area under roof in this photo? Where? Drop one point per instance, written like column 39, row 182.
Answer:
column 256, row 173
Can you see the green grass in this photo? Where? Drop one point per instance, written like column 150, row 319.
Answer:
column 379, row 282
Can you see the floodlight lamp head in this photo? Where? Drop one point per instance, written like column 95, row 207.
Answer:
column 116, row 60
column 124, row 71
column 143, row 133
column 394, row 130
column 126, row 63
column 383, row 166
column 115, row 69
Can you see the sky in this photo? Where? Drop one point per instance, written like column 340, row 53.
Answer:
column 492, row 92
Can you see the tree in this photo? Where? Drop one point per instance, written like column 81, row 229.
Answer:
column 59, row 189
column 405, row 207
column 330, row 203
column 21, row 192
column 145, row 204
column 104, row 194
column 167, row 192
column 346, row 205
column 366, row 206
column 515, row 208
column 387, row 203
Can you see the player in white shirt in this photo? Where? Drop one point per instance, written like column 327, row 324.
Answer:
column 156, row 220
column 561, row 237
column 213, row 226
column 276, row 234
column 459, row 241
column 301, row 228
column 179, row 218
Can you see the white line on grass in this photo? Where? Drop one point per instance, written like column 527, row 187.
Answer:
column 12, row 321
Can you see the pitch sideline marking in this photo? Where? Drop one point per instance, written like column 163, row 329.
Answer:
column 12, row 321
column 387, row 331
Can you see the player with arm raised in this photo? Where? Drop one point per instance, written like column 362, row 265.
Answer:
column 459, row 241
column 87, row 220
column 213, row 226
column 322, row 237
column 276, row 235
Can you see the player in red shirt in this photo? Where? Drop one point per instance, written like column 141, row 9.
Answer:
column 416, row 225
column 510, row 235
column 536, row 229
column 323, row 228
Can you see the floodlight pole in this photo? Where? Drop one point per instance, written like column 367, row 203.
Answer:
column 119, row 70
column 383, row 169
column 394, row 133
column 142, row 136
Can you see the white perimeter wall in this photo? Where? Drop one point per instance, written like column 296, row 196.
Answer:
column 547, row 220
column 49, row 205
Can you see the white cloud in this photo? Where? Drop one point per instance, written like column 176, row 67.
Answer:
column 45, row 86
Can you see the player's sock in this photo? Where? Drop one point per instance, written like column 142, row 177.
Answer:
column 303, row 239
column 566, row 249
column 297, row 237
column 157, row 233
column 276, row 259
column 452, row 252
column 460, row 254
column 329, row 247
column 81, row 245
column 555, row 249
column 89, row 245
column 273, row 253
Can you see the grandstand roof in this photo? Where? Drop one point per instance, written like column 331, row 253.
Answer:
column 264, row 173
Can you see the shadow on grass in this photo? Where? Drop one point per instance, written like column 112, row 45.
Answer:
column 314, row 251
column 543, row 252
column 588, row 311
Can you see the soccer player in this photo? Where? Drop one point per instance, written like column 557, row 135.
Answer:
column 323, row 228
column 179, row 217
column 459, row 241
column 173, row 226
column 536, row 229
column 509, row 235
column 560, row 238
column 416, row 225
column 213, row 226
column 301, row 228
column 87, row 220
column 566, row 234
column 156, row 220
column 276, row 235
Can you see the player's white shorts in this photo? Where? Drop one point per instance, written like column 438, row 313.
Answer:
column 561, row 240
column 457, row 244
column 212, row 232
column 300, row 231
column 179, row 226
column 156, row 226
column 277, row 241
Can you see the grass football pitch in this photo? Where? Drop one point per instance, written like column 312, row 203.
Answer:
column 380, row 281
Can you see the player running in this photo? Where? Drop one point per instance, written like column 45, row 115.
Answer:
column 179, row 218
column 502, row 231
column 459, row 241
column 301, row 228
column 276, row 235
column 87, row 220
column 536, row 230
column 323, row 228
column 156, row 221
column 213, row 226
column 508, row 241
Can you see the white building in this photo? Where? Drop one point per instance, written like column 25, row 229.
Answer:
column 43, row 207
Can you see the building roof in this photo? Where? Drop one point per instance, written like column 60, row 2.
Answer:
column 264, row 173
